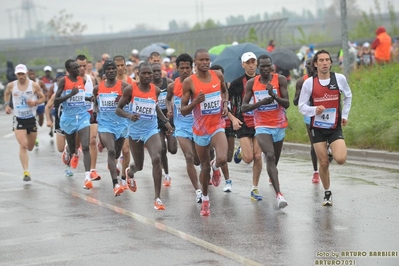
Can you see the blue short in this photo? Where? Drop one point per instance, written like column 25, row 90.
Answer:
column 184, row 133
column 278, row 134
column 306, row 119
column 206, row 139
column 119, row 131
column 75, row 123
column 145, row 137
column 40, row 110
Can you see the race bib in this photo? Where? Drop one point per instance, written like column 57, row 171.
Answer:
column 77, row 100
column 107, row 102
column 162, row 100
column 260, row 95
column 24, row 111
column 177, row 102
column 326, row 119
column 144, row 107
column 211, row 105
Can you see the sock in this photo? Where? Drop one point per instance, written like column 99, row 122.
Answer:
column 254, row 187
column 198, row 191
column 91, row 170
column 123, row 177
column 205, row 198
column 214, row 166
column 279, row 194
column 316, row 171
column 167, row 176
column 87, row 175
column 114, row 181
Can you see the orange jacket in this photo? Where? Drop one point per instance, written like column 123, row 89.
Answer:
column 382, row 45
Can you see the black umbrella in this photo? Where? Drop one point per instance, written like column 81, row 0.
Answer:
column 155, row 47
column 230, row 59
column 285, row 59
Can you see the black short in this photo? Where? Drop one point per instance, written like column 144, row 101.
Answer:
column 329, row 135
column 229, row 132
column 28, row 124
column 245, row 131
column 161, row 124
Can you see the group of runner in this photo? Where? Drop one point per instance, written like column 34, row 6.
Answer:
column 198, row 109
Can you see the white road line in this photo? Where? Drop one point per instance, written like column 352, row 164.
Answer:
column 8, row 135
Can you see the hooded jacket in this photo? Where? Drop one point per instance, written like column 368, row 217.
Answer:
column 382, row 45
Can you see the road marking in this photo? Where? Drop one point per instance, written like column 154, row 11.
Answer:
column 8, row 135
column 195, row 240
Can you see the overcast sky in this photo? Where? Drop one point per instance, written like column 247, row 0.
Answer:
column 105, row 16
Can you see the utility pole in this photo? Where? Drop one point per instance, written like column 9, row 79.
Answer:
column 9, row 10
column 344, row 37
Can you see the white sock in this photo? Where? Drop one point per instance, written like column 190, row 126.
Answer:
column 316, row 171
column 198, row 191
column 91, row 170
column 167, row 176
column 87, row 175
column 205, row 198
column 214, row 166
column 254, row 187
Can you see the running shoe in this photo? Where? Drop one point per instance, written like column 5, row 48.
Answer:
column 216, row 175
column 100, row 147
column 26, row 176
column 65, row 156
column 327, row 198
column 158, row 205
column 281, row 202
column 118, row 190
column 316, row 177
column 205, row 208
column 37, row 143
column 255, row 195
column 198, row 197
column 74, row 161
column 238, row 155
column 227, row 186
column 94, row 176
column 131, row 182
column 167, row 181
column 68, row 172
column 88, row 184
column 124, row 184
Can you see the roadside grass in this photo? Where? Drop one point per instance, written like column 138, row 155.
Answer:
column 373, row 121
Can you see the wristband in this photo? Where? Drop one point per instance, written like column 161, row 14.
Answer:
column 7, row 103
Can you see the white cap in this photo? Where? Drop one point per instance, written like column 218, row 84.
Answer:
column 135, row 51
column 166, row 59
column 234, row 43
column 366, row 45
column 129, row 63
column 21, row 69
column 47, row 68
column 246, row 56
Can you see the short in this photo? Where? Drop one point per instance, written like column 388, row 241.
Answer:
column 205, row 140
column 40, row 109
column 229, row 132
column 74, row 124
column 245, row 131
column 326, row 135
column 28, row 124
column 277, row 134
column 184, row 133
column 118, row 131
column 145, row 137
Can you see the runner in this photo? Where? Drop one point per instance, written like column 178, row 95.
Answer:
column 209, row 98
column 27, row 95
column 320, row 99
column 184, row 124
column 249, row 149
column 170, row 140
column 299, row 83
column 122, row 76
column 143, row 128
column 155, row 57
column 89, row 85
column 49, row 82
column 75, row 118
column 269, row 91
column 111, row 127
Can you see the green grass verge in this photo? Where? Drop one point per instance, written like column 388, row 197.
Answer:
column 373, row 121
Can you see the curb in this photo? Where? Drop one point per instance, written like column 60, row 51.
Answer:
column 356, row 156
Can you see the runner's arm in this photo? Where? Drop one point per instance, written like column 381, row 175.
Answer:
column 298, row 87
column 47, row 110
column 7, row 96
column 60, row 99
column 125, row 99
column 283, row 100
column 169, row 98
column 188, row 91
column 304, row 97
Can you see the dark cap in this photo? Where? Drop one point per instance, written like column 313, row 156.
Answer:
column 108, row 63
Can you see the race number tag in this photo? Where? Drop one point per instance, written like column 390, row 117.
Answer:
column 260, row 95
column 177, row 102
column 326, row 119
column 24, row 111
column 211, row 105
column 77, row 100
column 162, row 100
column 107, row 102
column 144, row 107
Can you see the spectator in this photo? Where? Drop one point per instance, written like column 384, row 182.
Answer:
column 365, row 55
column 382, row 46
column 271, row 46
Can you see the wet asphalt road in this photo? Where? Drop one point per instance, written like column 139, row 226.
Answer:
column 52, row 220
